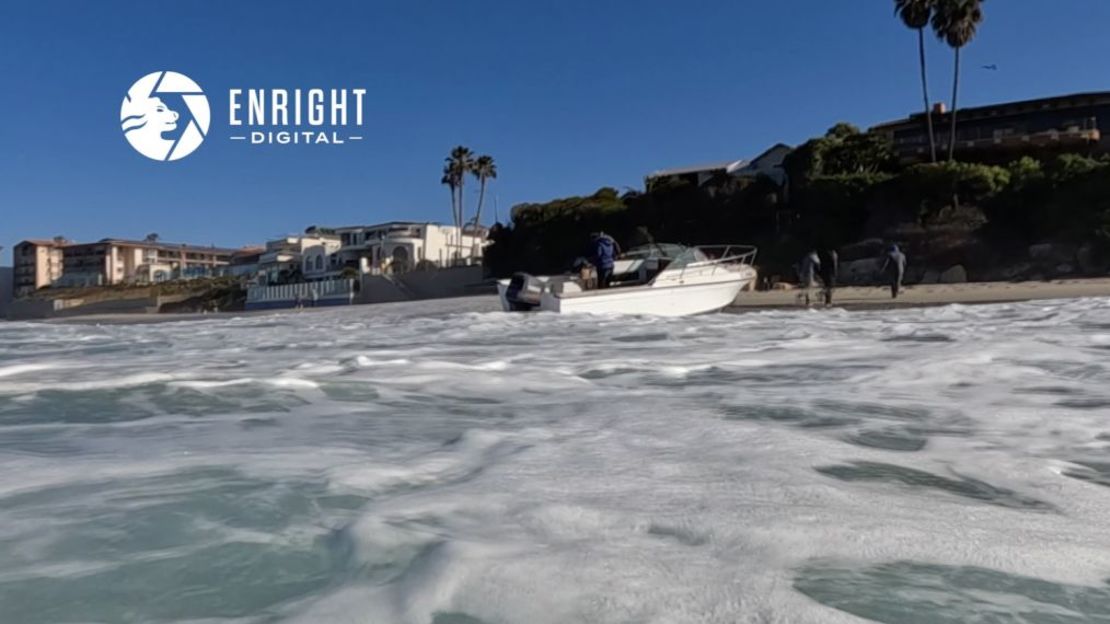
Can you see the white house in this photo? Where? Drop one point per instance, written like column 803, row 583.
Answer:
column 286, row 256
column 768, row 164
column 319, row 261
column 400, row 246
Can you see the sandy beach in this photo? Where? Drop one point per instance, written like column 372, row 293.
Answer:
column 875, row 297
column 851, row 298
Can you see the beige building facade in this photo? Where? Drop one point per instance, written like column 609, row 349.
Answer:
column 39, row 263
column 36, row 264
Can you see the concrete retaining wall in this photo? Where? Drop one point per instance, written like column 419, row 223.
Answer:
column 6, row 278
column 71, row 307
column 414, row 285
column 381, row 289
column 27, row 309
column 453, row 282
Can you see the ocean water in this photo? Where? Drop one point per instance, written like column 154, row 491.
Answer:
column 414, row 464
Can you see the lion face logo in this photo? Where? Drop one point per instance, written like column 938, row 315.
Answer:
column 150, row 125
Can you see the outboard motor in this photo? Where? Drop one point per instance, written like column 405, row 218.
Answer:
column 523, row 293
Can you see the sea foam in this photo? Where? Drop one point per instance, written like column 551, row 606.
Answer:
column 425, row 464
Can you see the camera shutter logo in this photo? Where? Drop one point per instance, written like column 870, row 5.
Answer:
column 146, row 117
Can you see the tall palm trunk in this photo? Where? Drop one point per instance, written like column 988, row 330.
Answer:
column 955, row 93
column 462, row 214
column 481, row 198
column 925, row 94
column 454, row 205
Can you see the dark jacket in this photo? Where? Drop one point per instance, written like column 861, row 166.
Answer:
column 894, row 264
column 605, row 251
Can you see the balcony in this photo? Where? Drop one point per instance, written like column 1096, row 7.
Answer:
column 1001, row 138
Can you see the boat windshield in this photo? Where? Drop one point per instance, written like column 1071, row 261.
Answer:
column 655, row 250
column 689, row 255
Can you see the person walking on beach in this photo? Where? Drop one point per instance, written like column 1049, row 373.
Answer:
column 605, row 254
column 894, row 265
column 807, row 271
column 830, row 266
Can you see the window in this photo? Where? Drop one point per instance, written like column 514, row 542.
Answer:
column 319, row 263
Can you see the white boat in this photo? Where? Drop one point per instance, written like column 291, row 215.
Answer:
column 661, row 280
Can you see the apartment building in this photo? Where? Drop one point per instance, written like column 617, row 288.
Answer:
column 118, row 261
column 40, row 263
column 36, row 264
column 1070, row 123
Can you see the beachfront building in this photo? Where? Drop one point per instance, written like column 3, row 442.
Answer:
column 1077, row 123
column 767, row 164
column 399, row 246
column 36, row 264
column 320, row 260
column 40, row 263
column 305, row 257
column 244, row 262
column 120, row 261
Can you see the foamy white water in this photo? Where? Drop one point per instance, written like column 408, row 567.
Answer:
column 368, row 465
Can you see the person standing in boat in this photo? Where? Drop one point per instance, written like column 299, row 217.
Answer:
column 894, row 266
column 830, row 266
column 605, row 252
column 807, row 272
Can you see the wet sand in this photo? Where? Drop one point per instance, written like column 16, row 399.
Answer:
column 426, row 307
column 875, row 297
column 851, row 298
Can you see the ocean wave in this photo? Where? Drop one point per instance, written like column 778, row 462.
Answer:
column 411, row 464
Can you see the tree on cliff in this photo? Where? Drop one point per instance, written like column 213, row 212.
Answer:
column 916, row 15
column 956, row 22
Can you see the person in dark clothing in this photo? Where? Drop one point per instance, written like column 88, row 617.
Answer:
column 830, row 267
column 807, row 273
column 605, row 252
column 894, row 265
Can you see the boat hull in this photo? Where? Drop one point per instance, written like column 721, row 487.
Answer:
column 659, row 300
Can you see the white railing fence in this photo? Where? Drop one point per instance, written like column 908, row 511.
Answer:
column 307, row 292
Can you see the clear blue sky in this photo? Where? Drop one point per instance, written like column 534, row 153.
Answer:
column 568, row 96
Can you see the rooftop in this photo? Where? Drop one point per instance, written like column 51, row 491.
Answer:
column 1020, row 106
column 44, row 242
column 133, row 243
column 344, row 228
column 728, row 166
column 168, row 246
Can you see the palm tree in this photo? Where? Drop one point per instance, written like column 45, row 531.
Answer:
column 449, row 180
column 956, row 22
column 460, row 163
column 916, row 15
column 484, row 170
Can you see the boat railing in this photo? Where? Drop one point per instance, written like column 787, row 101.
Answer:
column 713, row 257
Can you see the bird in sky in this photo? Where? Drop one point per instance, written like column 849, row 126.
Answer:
column 991, row 67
